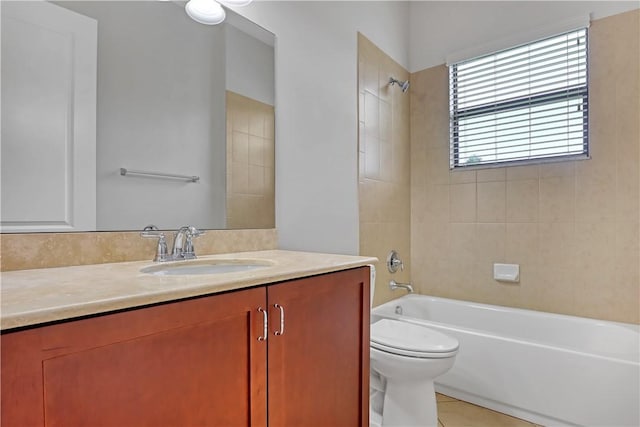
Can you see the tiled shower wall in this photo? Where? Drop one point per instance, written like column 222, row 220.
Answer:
column 572, row 226
column 250, row 163
column 384, row 164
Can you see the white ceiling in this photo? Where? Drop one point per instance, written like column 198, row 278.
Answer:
column 439, row 28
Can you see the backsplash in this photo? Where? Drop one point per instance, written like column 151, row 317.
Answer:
column 44, row 250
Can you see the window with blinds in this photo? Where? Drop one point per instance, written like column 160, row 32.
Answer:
column 521, row 104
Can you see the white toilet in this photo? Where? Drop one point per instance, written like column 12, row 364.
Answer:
column 405, row 359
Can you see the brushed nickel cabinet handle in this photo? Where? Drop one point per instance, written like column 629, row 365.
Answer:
column 265, row 322
column 281, row 330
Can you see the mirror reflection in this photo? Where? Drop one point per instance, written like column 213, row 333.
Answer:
column 93, row 88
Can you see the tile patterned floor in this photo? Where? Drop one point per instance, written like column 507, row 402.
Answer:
column 456, row 413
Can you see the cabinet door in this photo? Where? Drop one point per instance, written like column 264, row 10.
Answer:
column 318, row 372
column 191, row 363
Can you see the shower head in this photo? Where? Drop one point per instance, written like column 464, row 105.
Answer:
column 403, row 85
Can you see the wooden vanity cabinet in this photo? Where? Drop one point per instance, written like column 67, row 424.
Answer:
column 200, row 362
column 194, row 362
column 319, row 367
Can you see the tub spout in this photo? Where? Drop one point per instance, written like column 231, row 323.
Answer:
column 393, row 285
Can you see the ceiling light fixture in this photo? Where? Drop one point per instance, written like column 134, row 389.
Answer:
column 210, row 12
column 235, row 3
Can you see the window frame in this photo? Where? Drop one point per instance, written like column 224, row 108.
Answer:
column 534, row 99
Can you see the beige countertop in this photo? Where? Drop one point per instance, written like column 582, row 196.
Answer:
column 31, row 297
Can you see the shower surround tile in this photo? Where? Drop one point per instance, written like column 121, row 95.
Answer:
column 573, row 227
column 385, row 164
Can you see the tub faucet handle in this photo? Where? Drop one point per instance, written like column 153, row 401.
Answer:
column 394, row 262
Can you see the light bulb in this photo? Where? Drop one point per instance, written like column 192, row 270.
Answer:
column 207, row 12
column 235, row 3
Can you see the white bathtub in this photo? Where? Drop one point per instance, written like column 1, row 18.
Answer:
column 549, row 369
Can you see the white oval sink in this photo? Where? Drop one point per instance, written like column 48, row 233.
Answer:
column 186, row 268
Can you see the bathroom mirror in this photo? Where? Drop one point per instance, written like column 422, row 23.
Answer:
column 118, row 114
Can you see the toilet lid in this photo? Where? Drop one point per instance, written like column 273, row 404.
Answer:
column 390, row 334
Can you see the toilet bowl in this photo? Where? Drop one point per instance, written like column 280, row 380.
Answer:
column 405, row 360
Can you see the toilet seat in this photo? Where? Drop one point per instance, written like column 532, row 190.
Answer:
column 409, row 339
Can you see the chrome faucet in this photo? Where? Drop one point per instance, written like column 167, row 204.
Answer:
column 393, row 285
column 182, row 243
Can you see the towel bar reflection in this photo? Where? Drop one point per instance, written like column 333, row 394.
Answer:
column 189, row 178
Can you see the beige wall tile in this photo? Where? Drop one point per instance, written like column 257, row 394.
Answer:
column 372, row 158
column 435, row 242
column 240, row 119
column 490, row 243
column 553, row 293
column 240, row 147
column 369, row 81
column 522, row 200
column 418, row 163
column 627, row 277
column 250, row 163
column 547, row 170
column 462, row 177
column 437, row 166
column 462, row 244
column 492, row 174
column 256, row 150
column 489, row 249
column 385, row 127
column 371, row 118
column 558, row 217
column 386, row 161
column 488, row 290
column 256, row 180
column 462, row 203
column 240, row 178
column 269, row 152
column 595, row 197
column 401, row 159
column 370, row 204
column 595, row 267
column 523, row 172
column 436, row 203
column 256, row 123
column 557, row 199
column 628, row 176
column 385, row 175
column 491, row 201
column 556, row 242
column 521, row 247
column 556, row 276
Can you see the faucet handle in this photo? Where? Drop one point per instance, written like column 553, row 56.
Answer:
column 162, row 251
column 194, row 232
column 151, row 231
column 189, row 250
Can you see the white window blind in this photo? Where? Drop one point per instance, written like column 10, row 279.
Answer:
column 525, row 103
